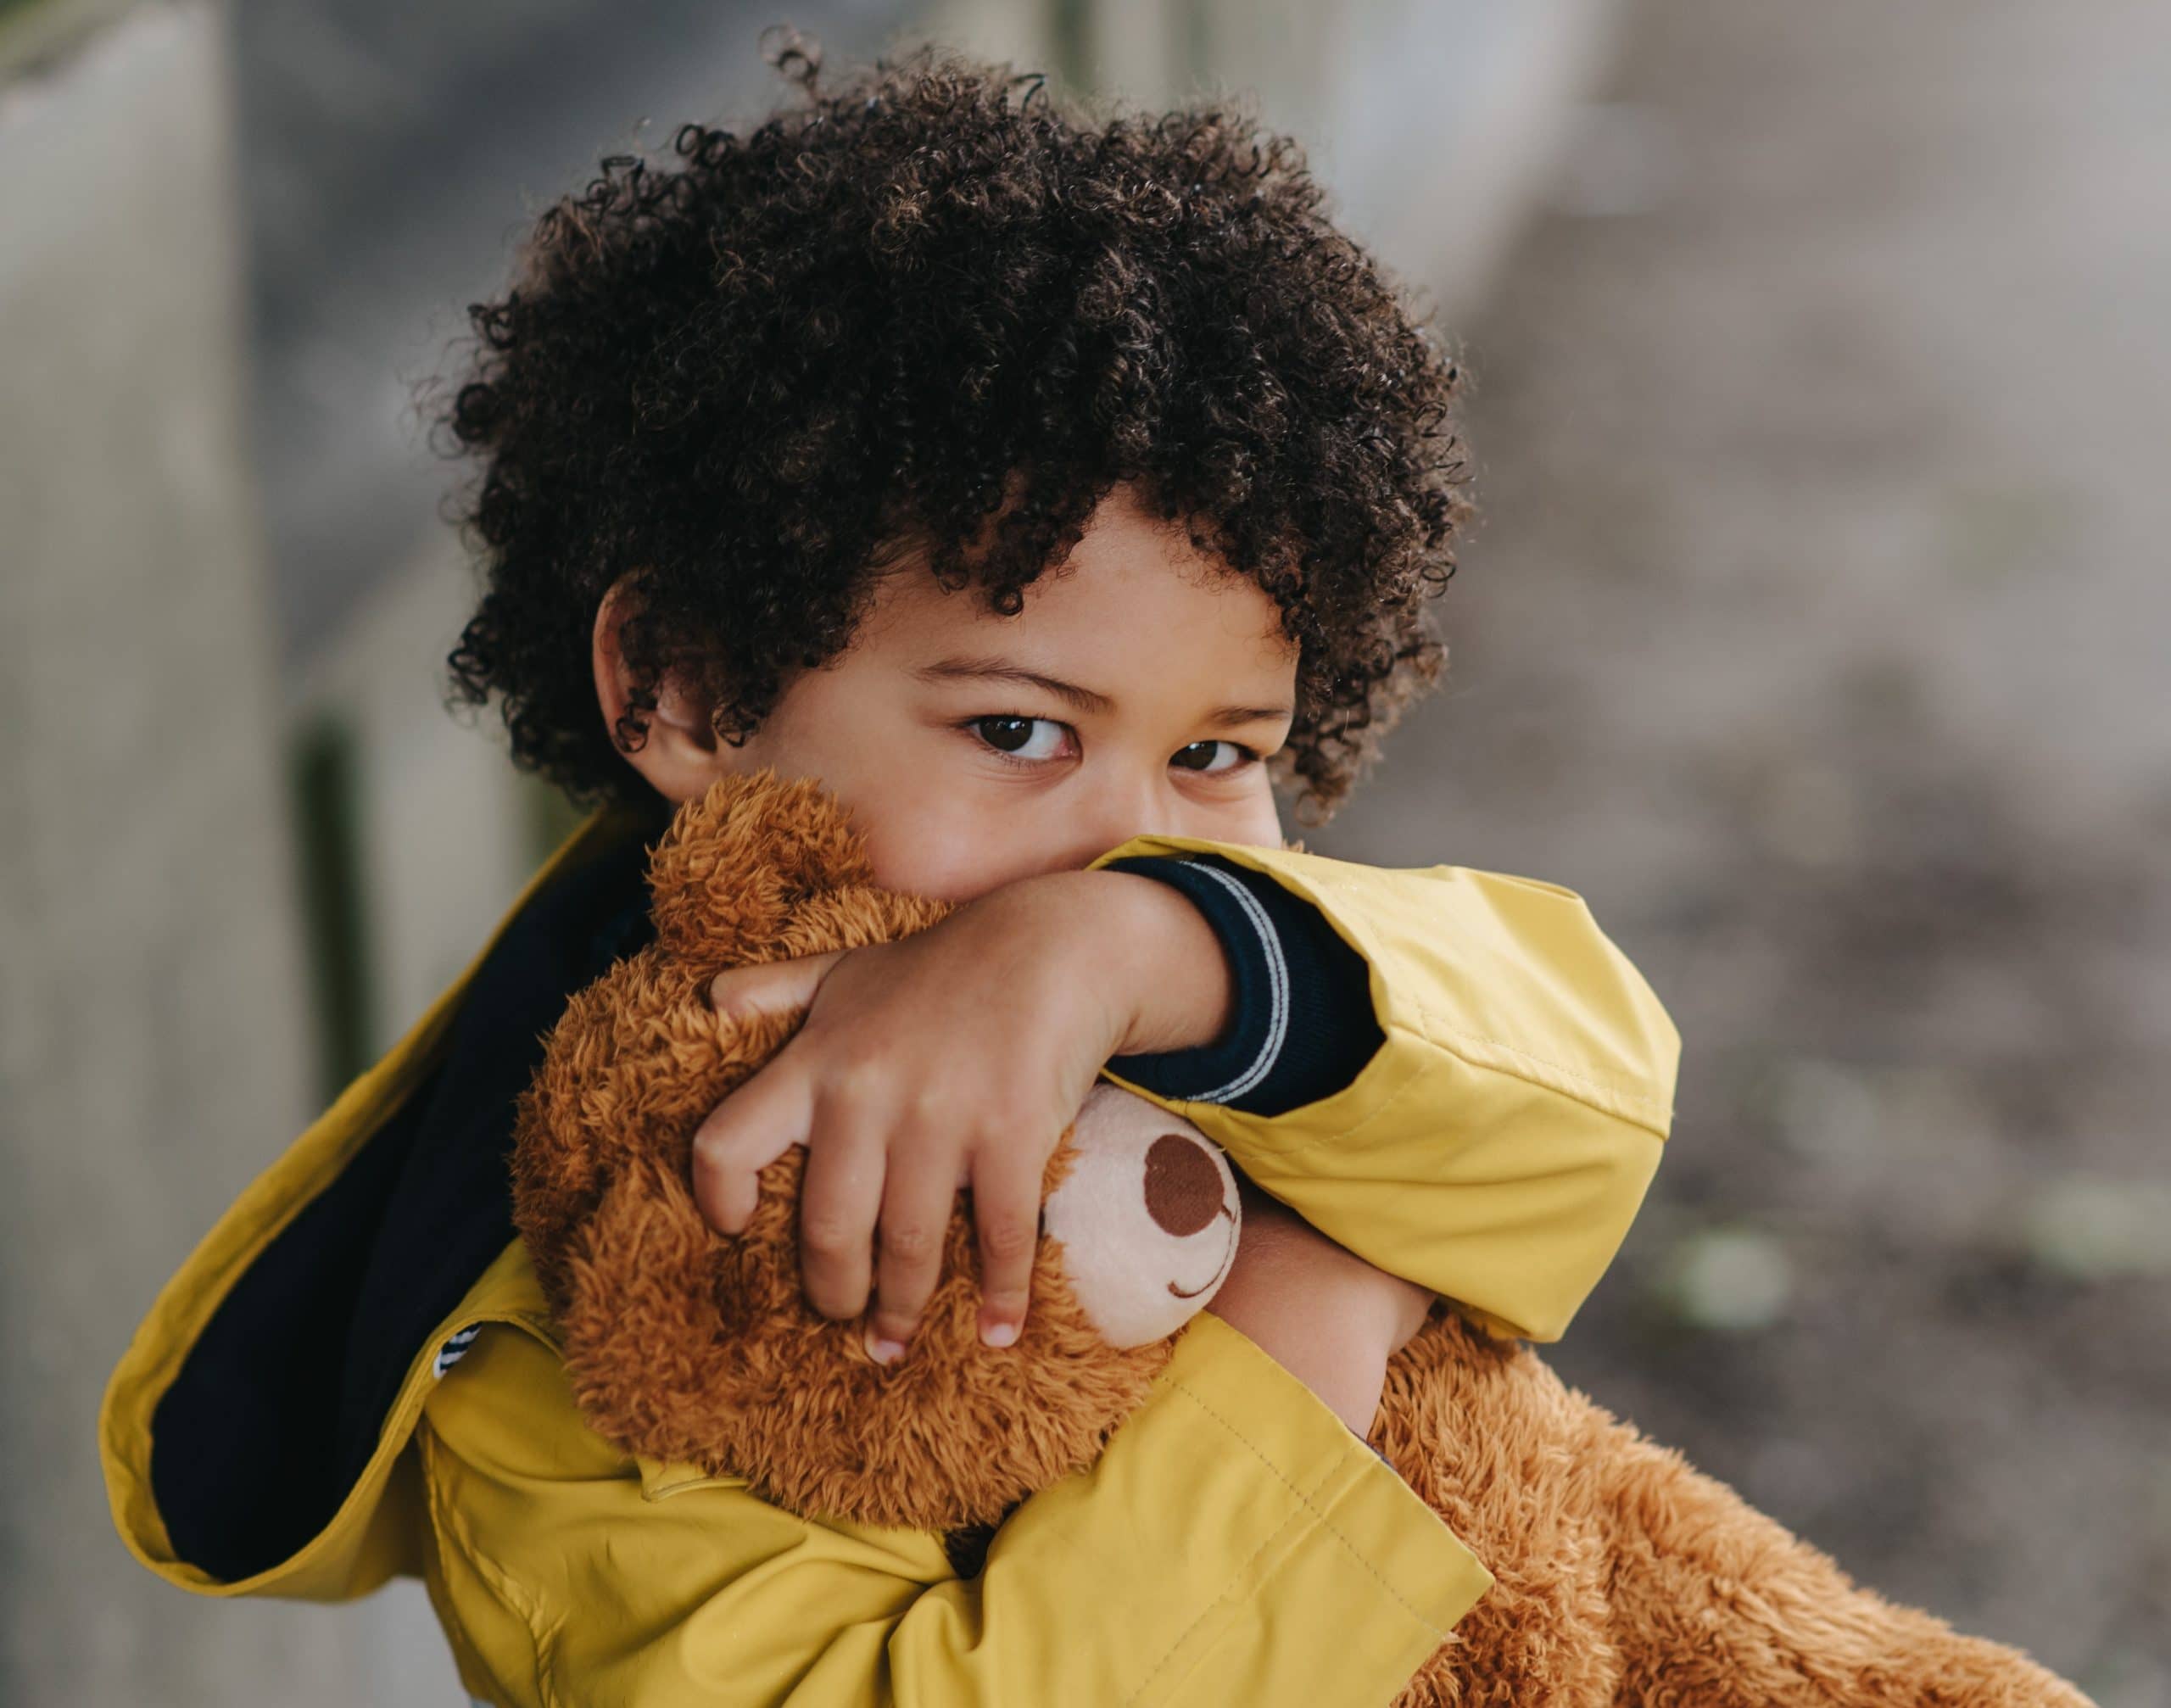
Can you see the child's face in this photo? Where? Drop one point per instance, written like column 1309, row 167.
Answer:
column 1138, row 690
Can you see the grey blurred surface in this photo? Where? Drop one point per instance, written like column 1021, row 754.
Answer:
column 1818, row 629
column 390, row 157
column 152, row 1030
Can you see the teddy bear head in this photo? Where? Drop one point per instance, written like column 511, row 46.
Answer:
column 688, row 1345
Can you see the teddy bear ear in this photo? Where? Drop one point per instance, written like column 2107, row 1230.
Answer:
column 735, row 864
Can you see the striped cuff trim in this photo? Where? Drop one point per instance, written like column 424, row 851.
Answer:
column 1277, row 980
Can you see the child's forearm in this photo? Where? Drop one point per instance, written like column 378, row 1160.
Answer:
column 1326, row 1316
column 1345, row 1373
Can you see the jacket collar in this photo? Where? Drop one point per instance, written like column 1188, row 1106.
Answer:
column 264, row 1400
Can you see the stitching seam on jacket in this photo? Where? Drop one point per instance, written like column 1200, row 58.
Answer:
column 1244, row 1566
column 1440, row 1030
column 1326, row 1523
column 1340, row 1135
column 1305, row 1503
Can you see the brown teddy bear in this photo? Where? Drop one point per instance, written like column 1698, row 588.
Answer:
column 1621, row 1574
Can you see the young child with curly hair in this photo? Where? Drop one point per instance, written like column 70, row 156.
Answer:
column 1047, row 490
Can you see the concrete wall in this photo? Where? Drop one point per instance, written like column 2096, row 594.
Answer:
column 153, row 1033
column 446, row 830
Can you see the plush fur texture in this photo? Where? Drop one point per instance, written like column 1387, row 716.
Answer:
column 1622, row 1576
column 686, row 1346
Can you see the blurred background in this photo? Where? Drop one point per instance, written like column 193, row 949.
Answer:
column 1816, row 627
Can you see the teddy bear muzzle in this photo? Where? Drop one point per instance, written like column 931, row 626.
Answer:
column 1148, row 1218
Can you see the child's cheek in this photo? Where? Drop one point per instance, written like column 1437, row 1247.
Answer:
column 925, row 847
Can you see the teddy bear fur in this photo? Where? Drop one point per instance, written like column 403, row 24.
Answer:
column 686, row 1347
column 1620, row 1574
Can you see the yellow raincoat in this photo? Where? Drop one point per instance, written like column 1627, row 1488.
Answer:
column 355, row 1376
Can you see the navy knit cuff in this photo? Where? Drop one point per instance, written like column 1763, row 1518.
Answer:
column 1301, row 1026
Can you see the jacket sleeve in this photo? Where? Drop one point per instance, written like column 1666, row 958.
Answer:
column 1235, row 1543
column 1498, row 1144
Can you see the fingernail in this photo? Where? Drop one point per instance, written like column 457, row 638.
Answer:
column 999, row 1334
column 883, row 1350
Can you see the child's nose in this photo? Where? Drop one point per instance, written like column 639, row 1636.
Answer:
column 1118, row 810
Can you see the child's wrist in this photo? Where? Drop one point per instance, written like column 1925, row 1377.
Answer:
column 1161, row 968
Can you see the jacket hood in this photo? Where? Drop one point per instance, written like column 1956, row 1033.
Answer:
column 251, row 1434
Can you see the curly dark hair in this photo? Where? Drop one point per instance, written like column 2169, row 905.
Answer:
column 929, row 305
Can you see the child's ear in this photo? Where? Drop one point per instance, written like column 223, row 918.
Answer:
column 680, row 755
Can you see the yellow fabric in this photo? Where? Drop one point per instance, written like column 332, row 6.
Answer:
column 1235, row 1544
column 1497, row 1145
column 374, row 1535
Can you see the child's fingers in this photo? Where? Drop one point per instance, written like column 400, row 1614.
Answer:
column 740, row 993
column 743, row 1135
column 837, row 1205
column 917, row 1199
column 1007, row 1224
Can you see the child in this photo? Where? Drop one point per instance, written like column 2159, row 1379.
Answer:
column 1041, row 489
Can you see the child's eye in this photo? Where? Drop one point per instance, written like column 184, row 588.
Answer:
column 1023, row 739
column 1213, row 758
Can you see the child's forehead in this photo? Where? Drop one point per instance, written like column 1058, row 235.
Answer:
column 1134, row 599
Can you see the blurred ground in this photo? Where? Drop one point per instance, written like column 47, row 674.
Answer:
column 1816, row 630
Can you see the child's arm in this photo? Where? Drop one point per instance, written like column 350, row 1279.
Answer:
column 1497, row 1142
column 952, row 1058
column 1235, row 1543
column 1494, row 1146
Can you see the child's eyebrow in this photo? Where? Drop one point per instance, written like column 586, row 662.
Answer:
column 1229, row 716
column 1085, row 699
column 997, row 670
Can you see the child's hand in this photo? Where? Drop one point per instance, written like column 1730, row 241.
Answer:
column 952, row 1058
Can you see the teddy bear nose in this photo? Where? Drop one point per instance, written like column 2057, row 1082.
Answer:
column 1183, row 1188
